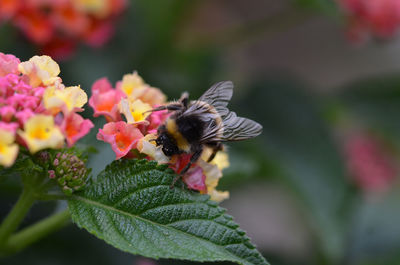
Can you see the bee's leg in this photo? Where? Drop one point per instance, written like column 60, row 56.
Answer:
column 196, row 155
column 170, row 107
column 218, row 147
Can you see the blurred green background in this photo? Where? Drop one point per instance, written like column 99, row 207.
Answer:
column 292, row 188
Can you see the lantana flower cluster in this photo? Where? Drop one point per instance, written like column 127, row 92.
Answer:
column 371, row 164
column 36, row 110
column 58, row 25
column 379, row 18
column 131, row 130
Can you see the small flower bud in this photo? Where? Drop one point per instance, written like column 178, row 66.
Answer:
column 69, row 171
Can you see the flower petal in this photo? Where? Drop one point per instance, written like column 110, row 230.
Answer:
column 8, row 64
column 122, row 137
column 75, row 127
column 40, row 70
column 41, row 133
column 8, row 149
column 105, row 99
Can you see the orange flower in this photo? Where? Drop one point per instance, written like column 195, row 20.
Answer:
column 75, row 127
column 122, row 136
column 105, row 99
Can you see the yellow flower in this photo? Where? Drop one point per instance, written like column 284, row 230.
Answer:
column 213, row 173
column 152, row 96
column 40, row 133
column 40, row 70
column 70, row 97
column 132, row 85
column 8, row 149
column 147, row 146
column 217, row 195
column 221, row 159
column 134, row 111
column 135, row 88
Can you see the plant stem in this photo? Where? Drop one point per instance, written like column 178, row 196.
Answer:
column 17, row 214
column 37, row 231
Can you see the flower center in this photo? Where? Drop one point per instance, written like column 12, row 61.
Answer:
column 137, row 115
column 2, row 148
column 122, row 141
column 40, row 133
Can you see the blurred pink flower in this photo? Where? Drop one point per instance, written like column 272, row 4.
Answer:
column 99, row 32
column 46, row 22
column 369, row 163
column 380, row 18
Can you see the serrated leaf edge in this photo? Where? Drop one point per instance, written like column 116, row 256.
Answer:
column 246, row 239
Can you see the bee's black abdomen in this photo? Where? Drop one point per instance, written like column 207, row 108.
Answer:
column 191, row 127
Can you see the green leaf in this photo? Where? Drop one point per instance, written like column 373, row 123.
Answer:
column 132, row 207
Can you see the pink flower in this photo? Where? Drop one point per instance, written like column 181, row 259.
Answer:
column 105, row 99
column 156, row 119
column 8, row 64
column 7, row 113
column 70, row 19
column 75, row 127
column 379, row 17
column 24, row 115
column 369, row 163
column 23, row 101
column 9, row 126
column 195, row 179
column 122, row 136
column 7, row 84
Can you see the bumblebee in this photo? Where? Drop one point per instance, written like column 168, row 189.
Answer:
column 203, row 122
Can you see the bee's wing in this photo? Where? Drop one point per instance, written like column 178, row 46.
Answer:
column 218, row 96
column 234, row 128
column 239, row 128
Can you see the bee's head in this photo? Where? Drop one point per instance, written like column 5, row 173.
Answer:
column 168, row 144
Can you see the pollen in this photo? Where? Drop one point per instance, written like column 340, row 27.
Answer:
column 40, row 133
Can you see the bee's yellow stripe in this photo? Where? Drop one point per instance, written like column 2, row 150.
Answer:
column 181, row 141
